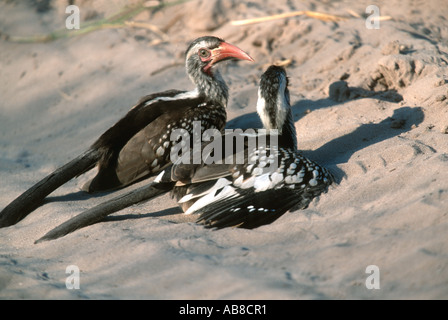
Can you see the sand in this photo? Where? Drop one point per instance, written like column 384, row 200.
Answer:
column 369, row 104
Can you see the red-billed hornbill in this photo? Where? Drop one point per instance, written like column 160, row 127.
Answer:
column 256, row 193
column 138, row 145
column 247, row 195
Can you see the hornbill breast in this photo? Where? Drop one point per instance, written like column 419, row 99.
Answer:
column 148, row 150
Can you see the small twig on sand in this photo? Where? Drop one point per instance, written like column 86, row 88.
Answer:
column 279, row 63
column 145, row 25
column 165, row 67
column 312, row 14
column 353, row 13
column 384, row 18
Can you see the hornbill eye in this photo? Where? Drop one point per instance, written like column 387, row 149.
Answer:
column 204, row 53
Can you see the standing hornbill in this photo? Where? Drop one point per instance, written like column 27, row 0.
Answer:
column 247, row 195
column 138, row 145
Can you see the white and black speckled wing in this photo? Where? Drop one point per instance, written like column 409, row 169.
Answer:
column 256, row 195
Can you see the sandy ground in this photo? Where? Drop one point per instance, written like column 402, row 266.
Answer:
column 370, row 104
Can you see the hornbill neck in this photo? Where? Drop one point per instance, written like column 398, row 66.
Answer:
column 210, row 85
column 274, row 108
column 288, row 134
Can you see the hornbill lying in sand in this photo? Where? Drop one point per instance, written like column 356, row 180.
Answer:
column 138, row 145
column 250, row 194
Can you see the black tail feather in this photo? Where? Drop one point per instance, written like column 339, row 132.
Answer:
column 31, row 199
column 102, row 210
column 248, row 209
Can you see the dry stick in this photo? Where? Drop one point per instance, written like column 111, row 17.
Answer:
column 151, row 27
column 324, row 16
column 163, row 68
column 384, row 18
column 353, row 13
column 312, row 14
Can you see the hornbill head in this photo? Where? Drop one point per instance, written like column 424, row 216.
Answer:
column 273, row 105
column 203, row 53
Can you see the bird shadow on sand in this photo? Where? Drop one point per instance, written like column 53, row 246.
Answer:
column 340, row 150
column 81, row 196
column 339, row 92
column 162, row 213
column 76, row 196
